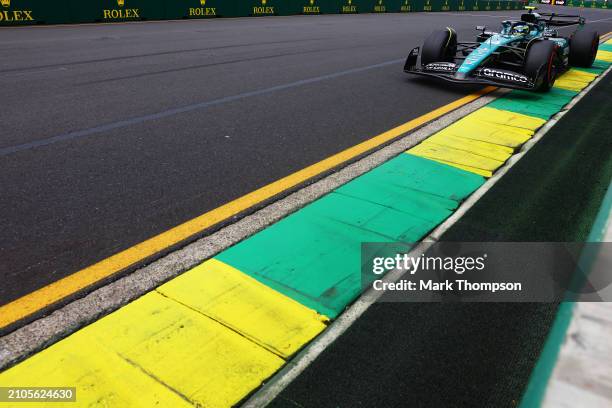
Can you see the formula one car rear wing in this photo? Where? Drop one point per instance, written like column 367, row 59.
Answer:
column 575, row 20
column 569, row 19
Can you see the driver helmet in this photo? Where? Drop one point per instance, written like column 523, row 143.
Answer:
column 520, row 29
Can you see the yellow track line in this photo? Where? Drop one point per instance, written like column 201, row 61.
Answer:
column 56, row 291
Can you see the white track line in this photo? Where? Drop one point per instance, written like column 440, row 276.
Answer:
column 597, row 21
column 296, row 366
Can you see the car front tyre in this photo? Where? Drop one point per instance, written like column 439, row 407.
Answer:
column 441, row 45
column 540, row 64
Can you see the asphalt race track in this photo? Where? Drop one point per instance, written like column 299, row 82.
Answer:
column 114, row 133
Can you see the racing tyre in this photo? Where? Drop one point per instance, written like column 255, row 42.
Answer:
column 542, row 54
column 583, row 48
column 441, row 45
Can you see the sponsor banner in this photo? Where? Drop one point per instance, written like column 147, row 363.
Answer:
column 106, row 11
column 349, row 7
column 120, row 12
column 487, row 271
column 199, row 8
column 584, row 4
column 264, row 8
column 486, row 5
column 379, row 7
column 406, row 6
column 21, row 12
column 311, row 7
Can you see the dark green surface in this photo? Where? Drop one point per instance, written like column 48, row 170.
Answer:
column 474, row 355
column 313, row 255
column 542, row 105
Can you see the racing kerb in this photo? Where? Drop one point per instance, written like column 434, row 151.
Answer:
column 214, row 334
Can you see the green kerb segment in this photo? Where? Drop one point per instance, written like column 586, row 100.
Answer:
column 601, row 64
column 542, row 105
column 314, row 255
column 605, row 47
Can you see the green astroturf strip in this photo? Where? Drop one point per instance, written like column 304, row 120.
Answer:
column 538, row 104
column 313, row 255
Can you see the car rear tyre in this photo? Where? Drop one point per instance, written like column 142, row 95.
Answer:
column 441, row 45
column 583, row 48
column 540, row 64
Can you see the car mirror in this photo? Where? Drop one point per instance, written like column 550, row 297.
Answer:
column 481, row 28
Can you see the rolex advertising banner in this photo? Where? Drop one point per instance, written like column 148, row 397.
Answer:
column 106, row 11
column 439, row 5
column 314, row 7
column 407, row 6
column 177, row 9
column 486, row 5
column 260, row 8
column 19, row 12
column 584, row 3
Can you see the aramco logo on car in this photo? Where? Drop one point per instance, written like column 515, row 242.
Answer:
column 8, row 16
column 121, row 13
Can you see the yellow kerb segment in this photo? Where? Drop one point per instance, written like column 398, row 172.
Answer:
column 249, row 307
column 484, row 173
column 152, row 352
column 481, row 142
column 507, row 118
column 485, row 149
column 474, row 129
column 448, row 155
column 101, row 377
column 574, row 80
column 605, row 55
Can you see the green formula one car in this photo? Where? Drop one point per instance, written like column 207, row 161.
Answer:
column 526, row 54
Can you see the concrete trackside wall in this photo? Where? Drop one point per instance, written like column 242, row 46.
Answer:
column 23, row 12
